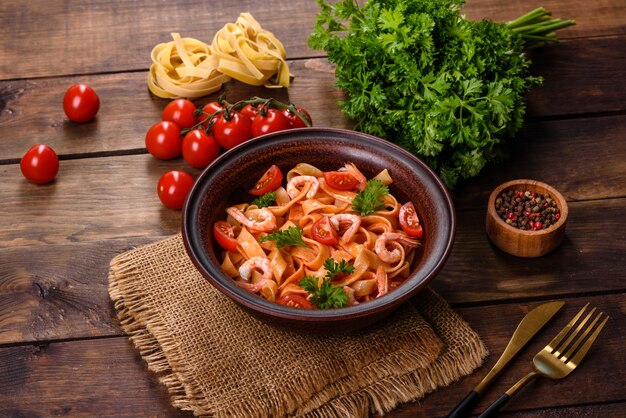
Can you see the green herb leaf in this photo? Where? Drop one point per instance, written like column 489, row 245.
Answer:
column 324, row 295
column 289, row 236
column 370, row 200
column 264, row 201
column 334, row 268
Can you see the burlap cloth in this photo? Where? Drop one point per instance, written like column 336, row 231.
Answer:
column 217, row 360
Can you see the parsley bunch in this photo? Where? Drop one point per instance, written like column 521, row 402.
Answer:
column 416, row 72
column 325, row 295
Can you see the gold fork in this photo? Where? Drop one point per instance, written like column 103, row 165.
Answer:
column 559, row 358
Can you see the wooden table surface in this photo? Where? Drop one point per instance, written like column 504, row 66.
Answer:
column 61, row 349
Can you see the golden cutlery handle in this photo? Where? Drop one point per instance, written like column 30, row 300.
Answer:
column 495, row 407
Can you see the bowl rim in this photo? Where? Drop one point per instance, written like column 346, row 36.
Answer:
column 491, row 209
column 258, row 304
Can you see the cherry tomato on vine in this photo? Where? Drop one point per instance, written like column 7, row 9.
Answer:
column 272, row 121
column 294, row 120
column 163, row 140
column 80, row 103
column 295, row 301
column 250, row 111
column 40, row 164
column 224, row 235
column 323, row 232
column 268, row 182
column 173, row 188
column 409, row 222
column 199, row 149
column 181, row 112
column 340, row 180
column 209, row 108
column 230, row 132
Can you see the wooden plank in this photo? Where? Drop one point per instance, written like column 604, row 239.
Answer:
column 52, row 39
column 92, row 378
column 581, row 158
column 580, row 78
column 104, row 377
column 51, row 292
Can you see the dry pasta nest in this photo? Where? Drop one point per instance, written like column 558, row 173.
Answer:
column 187, row 67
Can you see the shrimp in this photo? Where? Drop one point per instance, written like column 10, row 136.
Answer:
column 294, row 183
column 245, row 271
column 383, row 281
column 265, row 223
column 340, row 218
column 396, row 240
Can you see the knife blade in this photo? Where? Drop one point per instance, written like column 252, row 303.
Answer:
column 530, row 325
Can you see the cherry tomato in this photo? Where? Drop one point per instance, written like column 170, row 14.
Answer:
column 225, row 236
column 40, row 164
column 268, row 182
column 323, row 232
column 409, row 221
column 199, row 149
column 273, row 121
column 210, row 108
column 163, row 140
column 173, row 188
column 294, row 120
column 181, row 112
column 80, row 103
column 340, row 180
column 295, row 301
column 250, row 111
column 230, row 133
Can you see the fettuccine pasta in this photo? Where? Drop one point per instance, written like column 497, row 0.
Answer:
column 375, row 246
column 243, row 50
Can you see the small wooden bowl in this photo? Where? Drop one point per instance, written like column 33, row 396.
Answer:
column 520, row 242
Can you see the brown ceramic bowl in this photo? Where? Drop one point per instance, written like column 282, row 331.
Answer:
column 227, row 180
column 520, row 242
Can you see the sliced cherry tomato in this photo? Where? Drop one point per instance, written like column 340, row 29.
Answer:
column 340, row 180
column 80, row 103
column 181, row 112
column 323, row 232
column 40, row 164
column 250, row 111
column 268, row 182
column 199, row 149
column 225, row 236
column 163, row 140
column 295, row 301
column 231, row 132
column 173, row 188
column 210, row 108
column 294, row 120
column 409, row 220
column 272, row 121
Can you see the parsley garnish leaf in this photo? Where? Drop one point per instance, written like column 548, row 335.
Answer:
column 334, row 269
column 289, row 236
column 264, row 201
column 324, row 295
column 370, row 200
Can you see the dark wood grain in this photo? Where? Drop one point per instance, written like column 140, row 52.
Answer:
column 104, row 377
column 30, row 110
column 53, row 39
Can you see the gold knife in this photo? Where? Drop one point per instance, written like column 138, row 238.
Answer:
column 526, row 330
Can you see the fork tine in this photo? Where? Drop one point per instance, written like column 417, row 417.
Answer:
column 556, row 341
column 585, row 348
column 575, row 344
column 568, row 342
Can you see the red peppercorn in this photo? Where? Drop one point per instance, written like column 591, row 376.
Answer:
column 538, row 225
column 557, row 216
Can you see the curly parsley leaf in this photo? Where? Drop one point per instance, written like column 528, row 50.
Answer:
column 324, row 295
column 264, row 201
column 371, row 199
column 334, row 269
column 289, row 236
